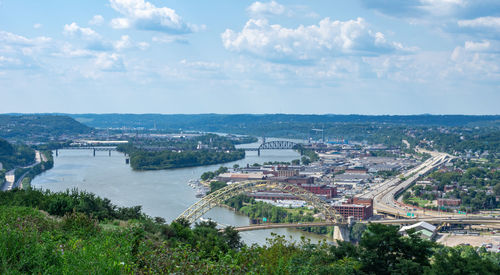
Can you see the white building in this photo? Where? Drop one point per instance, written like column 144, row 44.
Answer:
column 425, row 230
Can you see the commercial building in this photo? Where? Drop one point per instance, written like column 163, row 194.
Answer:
column 360, row 209
column 425, row 230
column 237, row 177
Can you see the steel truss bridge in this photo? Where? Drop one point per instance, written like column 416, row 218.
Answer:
column 331, row 217
column 275, row 145
column 91, row 148
column 197, row 210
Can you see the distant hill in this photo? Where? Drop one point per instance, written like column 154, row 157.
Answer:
column 219, row 122
column 39, row 126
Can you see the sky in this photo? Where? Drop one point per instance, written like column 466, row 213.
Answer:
column 227, row 56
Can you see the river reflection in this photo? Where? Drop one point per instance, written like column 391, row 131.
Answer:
column 164, row 193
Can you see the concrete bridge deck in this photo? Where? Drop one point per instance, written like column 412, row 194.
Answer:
column 472, row 221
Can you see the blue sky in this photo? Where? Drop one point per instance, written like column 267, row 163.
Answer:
column 340, row 57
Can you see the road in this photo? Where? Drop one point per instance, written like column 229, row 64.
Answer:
column 383, row 194
column 10, row 181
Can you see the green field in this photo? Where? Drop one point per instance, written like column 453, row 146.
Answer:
column 420, row 202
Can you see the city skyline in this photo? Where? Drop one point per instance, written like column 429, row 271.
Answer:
column 137, row 56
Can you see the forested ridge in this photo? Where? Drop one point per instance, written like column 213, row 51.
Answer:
column 39, row 127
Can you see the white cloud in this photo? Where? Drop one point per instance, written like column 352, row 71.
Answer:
column 10, row 38
column 146, row 16
column 37, row 26
column 488, row 21
column 9, row 62
column 109, row 62
column 442, row 7
column 143, row 45
column 200, row 65
column 19, row 52
column 475, row 62
column 74, row 30
column 123, row 43
column 477, row 46
column 120, row 23
column 68, row 50
column 96, row 20
column 259, row 8
column 307, row 43
column 435, row 11
column 170, row 39
column 126, row 43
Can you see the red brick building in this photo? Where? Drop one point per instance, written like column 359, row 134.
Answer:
column 360, row 209
column 449, row 202
column 321, row 190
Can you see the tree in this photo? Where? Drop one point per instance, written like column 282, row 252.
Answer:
column 461, row 260
column 497, row 189
column 357, row 231
column 305, row 160
column 384, row 251
column 216, row 185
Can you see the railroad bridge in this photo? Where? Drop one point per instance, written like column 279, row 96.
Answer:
column 91, row 148
column 276, row 145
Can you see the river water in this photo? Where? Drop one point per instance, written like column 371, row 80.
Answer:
column 163, row 193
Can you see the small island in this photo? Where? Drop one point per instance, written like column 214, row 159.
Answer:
column 183, row 151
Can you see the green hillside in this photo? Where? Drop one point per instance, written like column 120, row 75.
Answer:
column 39, row 127
column 79, row 233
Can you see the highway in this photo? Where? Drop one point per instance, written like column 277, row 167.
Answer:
column 383, row 194
column 10, row 181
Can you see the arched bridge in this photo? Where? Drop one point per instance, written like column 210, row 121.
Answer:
column 195, row 211
column 275, row 145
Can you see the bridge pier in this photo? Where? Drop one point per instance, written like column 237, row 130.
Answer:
column 341, row 233
column 94, row 152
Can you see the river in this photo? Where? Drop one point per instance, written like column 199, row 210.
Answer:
column 163, row 193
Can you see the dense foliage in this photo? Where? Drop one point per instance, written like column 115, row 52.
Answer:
column 476, row 184
column 257, row 210
column 31, row 242
column 143, row 160
column 62, row 203
column 39, row 127
column 14, row 155
column 210, row 175
column 230, row 123
column 183, row 152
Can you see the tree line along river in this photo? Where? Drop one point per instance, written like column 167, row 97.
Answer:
column 163, row 193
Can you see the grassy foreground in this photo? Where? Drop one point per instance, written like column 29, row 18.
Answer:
column 86, row 239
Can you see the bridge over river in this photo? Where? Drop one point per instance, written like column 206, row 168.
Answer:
column 331, row 217
column 494, row 222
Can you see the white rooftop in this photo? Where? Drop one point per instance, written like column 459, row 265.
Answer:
column 424, row 225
